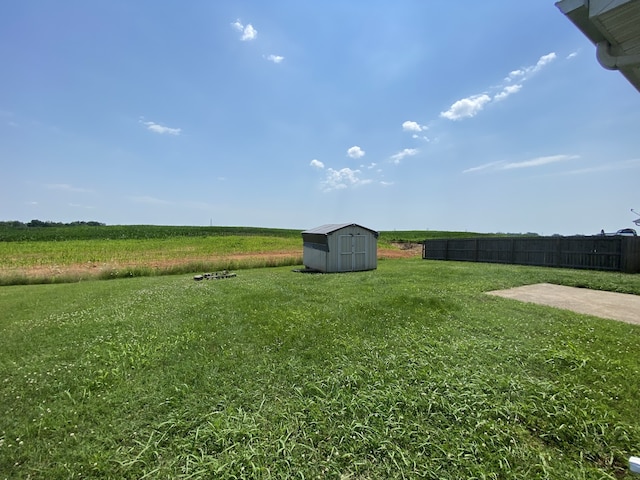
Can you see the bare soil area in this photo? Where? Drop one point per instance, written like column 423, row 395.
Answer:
column 611, row 305
column 403, row 250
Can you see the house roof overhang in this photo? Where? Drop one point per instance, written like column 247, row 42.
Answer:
column 613, row 26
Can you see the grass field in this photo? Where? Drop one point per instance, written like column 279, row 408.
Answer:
column 408, row 371
column 71, row 254
column 145, row 232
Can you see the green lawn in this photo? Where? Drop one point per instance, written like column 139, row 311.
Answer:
column 408, row 371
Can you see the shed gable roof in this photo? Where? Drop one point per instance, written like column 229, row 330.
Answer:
column 329, row 228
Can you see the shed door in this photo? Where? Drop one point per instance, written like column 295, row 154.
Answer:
column 353, row 253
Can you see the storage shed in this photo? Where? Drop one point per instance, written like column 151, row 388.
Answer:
column 340, row 247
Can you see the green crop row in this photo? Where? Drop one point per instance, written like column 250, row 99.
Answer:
column 22, row 233
column 131, row 232
column 140, row 251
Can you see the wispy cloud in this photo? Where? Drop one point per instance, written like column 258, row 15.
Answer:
column 274, row 58
column 470, row 106
column 526, row 72
column 355, row 152
column 343, row 178
column 407, row 152
column 248, row 32
column 538, row 162
column 485, row 166
column 506, row 91
column 161, row 129
column 67, row 188
column 532, row 163
column 316, row 164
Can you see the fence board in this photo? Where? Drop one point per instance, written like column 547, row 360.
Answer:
column 595, row 253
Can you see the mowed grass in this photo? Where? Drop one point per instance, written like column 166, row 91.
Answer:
column 408, row 371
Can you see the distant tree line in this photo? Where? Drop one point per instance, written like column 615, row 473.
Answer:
column 40, row 223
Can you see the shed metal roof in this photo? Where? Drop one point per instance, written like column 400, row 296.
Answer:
column 614, row 28
column 329, row 228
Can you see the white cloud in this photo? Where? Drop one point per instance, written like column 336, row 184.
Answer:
column 161, row 129
column 467, row 107
column 385, row 184
column 355, row 152
column 248, row 32
column 526, row 72
column 482, row 167
column 316, row 164
column 545, row 60
column 407, row 152
column 421, row 137
column 471, row 106
column 572, row 55
column 534, row 162
column 506, row 91
column 539, row 161
column 410, row 126
column 274, row 58
column 341, row 179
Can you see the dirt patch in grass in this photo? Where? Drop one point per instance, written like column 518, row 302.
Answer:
column 401, row 250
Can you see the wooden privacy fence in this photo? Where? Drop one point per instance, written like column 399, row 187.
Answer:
column 596, row 252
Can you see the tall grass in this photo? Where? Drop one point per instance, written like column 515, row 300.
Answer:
column 74, row 260
column 26, row 254
column 409, row 371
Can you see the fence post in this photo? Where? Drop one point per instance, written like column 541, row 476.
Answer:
column 630, row 255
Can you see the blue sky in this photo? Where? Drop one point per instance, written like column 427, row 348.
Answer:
column 488, row 116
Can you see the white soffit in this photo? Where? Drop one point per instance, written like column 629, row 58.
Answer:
column 614, row 27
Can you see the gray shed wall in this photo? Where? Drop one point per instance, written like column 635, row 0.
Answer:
column 352, row 248
column 314, row 258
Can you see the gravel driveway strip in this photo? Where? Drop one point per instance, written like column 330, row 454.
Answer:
column 615, row 306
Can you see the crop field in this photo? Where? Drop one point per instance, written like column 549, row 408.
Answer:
column 408, row 371
column 70, row 254
column 72, row 260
